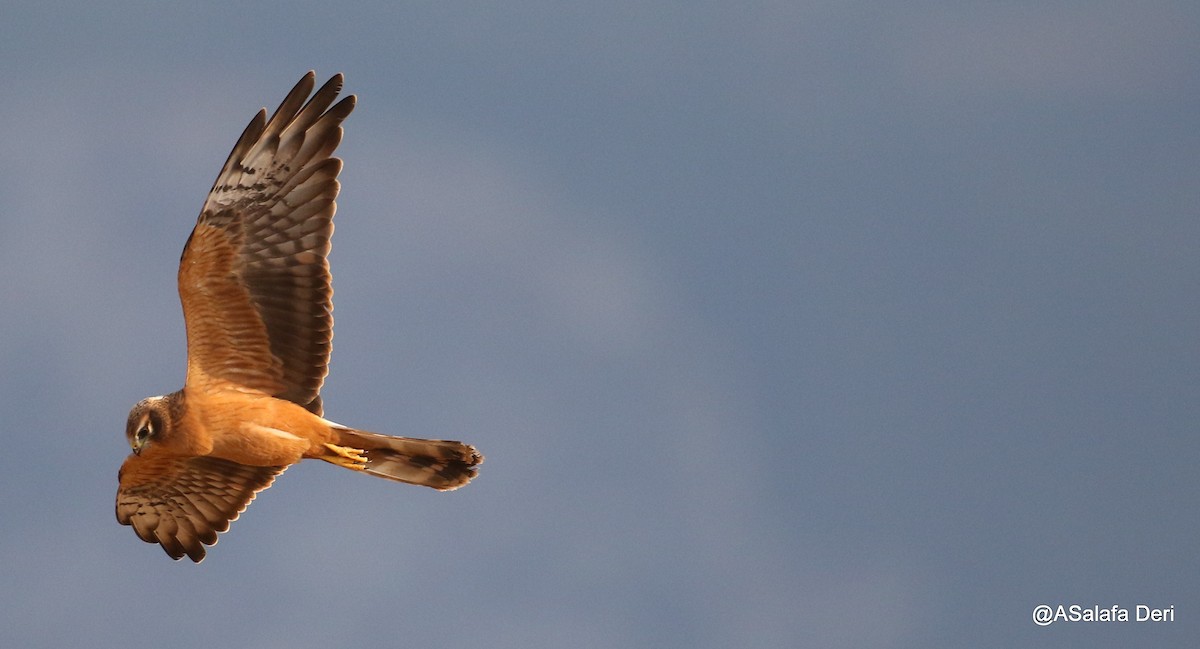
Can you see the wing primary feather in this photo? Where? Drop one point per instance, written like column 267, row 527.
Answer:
column 183, row 503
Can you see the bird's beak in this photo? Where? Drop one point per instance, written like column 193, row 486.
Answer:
column 136, row 447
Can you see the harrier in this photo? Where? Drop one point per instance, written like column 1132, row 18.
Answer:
column 257, row 306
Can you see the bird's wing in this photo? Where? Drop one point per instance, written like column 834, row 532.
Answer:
column 182, row 503
column 254, row 279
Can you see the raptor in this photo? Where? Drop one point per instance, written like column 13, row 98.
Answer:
column 257, row 305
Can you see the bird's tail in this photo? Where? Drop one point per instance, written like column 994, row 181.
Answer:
column 437, row 463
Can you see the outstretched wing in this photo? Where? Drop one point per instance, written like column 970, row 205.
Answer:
column 182, row 503
column 254, row 279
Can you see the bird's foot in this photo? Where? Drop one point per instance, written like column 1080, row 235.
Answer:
column 344, row 456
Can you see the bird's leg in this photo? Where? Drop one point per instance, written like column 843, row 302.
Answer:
column 344, row 456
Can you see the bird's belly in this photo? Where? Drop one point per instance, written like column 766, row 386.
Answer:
column 264, row 432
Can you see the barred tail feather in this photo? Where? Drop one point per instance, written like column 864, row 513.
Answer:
column 436, row 463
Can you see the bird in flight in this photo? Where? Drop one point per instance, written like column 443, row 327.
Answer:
column 257, row 306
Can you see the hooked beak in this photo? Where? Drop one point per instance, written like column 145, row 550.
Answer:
column 136, row 447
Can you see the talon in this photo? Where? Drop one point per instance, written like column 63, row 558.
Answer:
column 350, row 458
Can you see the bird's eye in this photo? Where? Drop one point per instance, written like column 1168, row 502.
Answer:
column 143, row 433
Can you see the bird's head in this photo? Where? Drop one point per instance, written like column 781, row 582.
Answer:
column 147, row 422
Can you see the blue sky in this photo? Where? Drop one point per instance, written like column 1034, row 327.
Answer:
column 782, row 324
